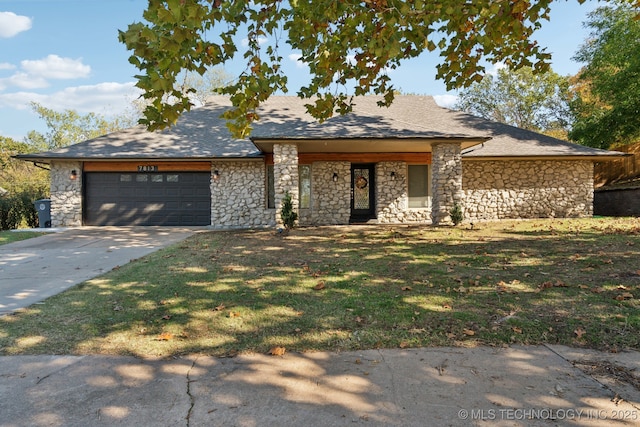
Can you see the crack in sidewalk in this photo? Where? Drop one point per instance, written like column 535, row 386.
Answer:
column 192, row 401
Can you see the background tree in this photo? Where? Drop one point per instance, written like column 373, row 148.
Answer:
column 69, row 127
column 522, row 98
column 23, row 182
column 343, row 43
column 607, row 94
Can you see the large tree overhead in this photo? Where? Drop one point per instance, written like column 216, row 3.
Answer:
column 345, row 42
column 522, row 98
column 607, row 104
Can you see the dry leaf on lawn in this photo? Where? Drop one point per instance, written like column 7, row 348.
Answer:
column 277, row 351
column 220, row 307
column 165, row 336
column 579, row 332
column 234, row 314
column 166, row 317
column 403, row 344
column 319, row 286
column 468, row 332
column 406, row 288
column 516, row 330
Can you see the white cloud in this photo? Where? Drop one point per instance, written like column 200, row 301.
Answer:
column 295, row 58
column 23, row 81
column 103, row 98
column 55, row 67
column 12, row 24
column 446, row 101
column 6, row 66
column 496, row 67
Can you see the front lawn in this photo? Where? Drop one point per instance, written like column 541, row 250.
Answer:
column 572, row 282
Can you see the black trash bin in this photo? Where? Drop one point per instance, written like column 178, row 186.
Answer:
column 43, row 206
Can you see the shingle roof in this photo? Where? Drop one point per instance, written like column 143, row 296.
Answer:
column 202, row 134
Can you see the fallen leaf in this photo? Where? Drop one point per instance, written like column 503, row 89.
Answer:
column 468, row 332
column 597, row 290
column 220, row 307
column 165, row 336
column 277, row 351
column 234, row 314
column 359, row 319
column 166, row 317
column 319, row 286
column 516, row 330
column 406, row 288
column 583, row 286
column 358, row 361
column 623, row 296
column 579, row 332
column 403, row 344
column 118, row 308
column 446, row 306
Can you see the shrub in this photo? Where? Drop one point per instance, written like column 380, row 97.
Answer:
column 288, row 215
column 456, row 214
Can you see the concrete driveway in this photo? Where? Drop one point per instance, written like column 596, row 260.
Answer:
column 34, row 269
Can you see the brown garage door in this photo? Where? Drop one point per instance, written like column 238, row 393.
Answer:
column 124, row 198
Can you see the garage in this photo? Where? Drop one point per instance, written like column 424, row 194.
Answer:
column 154, row 198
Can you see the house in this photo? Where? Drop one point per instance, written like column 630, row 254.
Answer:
column 409, row 163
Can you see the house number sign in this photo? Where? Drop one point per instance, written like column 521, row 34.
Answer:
column 147, row 168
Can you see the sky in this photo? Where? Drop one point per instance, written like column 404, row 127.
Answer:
column 65, row 54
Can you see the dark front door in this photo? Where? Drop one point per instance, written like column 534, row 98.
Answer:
column 362, row 193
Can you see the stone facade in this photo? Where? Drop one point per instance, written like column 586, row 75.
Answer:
column 446, row 181
column 527, row 189
column 238, row 198
column 487, row 190
column 66, row 194
column 285, row 176
column 330, row 200
column 392, row 199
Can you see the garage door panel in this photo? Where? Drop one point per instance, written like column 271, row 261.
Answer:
column 147, row 199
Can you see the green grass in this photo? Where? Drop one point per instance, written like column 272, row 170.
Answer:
column 572, row 282
column 9, row 236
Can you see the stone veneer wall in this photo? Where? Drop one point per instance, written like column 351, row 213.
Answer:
column 285, row 176
column 66, row 194
column 330, row 201
column 527, row 189
column 238, row 197
column 446, row 180
column 392, row 199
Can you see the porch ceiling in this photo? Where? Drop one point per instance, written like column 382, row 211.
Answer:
column 365, row 145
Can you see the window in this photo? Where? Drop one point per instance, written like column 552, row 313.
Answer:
column 156, row 178
column 141, row 178
column 173, row 178
column 419, row 183
column 125, row 178
column 304, row 186
column 271, row 191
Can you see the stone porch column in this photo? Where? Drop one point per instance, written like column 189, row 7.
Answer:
column 285, row 176
column 66, row 194
column 446, row 180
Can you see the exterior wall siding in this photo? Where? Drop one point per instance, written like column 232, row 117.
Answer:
column 496, row 190
column 238, row 198
column 66, row 194
column 330, row 200
column 446, row 181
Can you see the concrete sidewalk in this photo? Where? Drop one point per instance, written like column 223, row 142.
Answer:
column 35, row 269
column 517, row 386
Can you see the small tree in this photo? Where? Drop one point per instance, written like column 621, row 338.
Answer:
column 456, row 214
column 288, row 215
